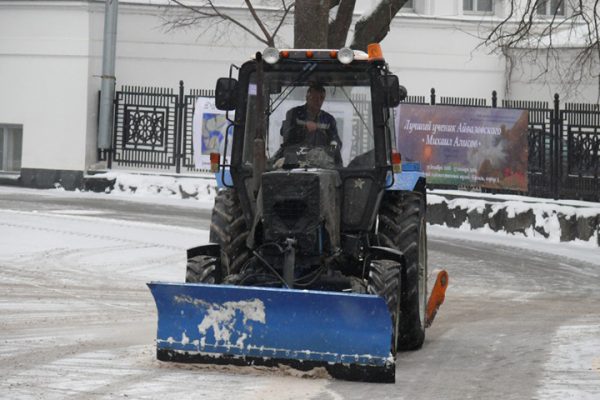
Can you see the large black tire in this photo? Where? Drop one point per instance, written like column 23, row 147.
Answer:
column 202, row 269
column 402, row 226
column 228, row 228
column 385, row 281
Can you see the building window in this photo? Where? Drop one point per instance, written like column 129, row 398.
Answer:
column 11, row 145
column 478, row 6
column 408, row 6
column 551, row 8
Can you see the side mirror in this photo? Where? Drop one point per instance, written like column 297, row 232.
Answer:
column 392, row 92
column 403, row 93
column 226, row 94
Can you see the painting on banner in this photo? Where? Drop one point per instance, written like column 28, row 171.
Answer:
column 466, row 146
column 209, row 128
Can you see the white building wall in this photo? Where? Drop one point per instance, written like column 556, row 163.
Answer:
column 149, row 54
column 43, row 70
column 440, row 53
column 573, row 82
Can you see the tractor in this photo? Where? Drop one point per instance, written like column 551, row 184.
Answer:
column 318, row 243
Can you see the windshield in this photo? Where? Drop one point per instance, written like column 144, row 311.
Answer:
column 313, row 120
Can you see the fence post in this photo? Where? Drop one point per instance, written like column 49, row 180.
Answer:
column 180, row 126
column 494, row 99
column 113, row 149
column 556, row 147
column 432, row 97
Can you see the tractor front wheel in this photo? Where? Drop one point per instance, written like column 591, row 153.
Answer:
column 384, row 280
column 402, row 227
column 228, row 228
column 202, row 269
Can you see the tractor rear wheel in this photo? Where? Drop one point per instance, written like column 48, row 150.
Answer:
column 228, row 228
column 385, row 281
column 402, row 226
column 202, row 269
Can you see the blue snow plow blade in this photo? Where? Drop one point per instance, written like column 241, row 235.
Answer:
column 349, row 334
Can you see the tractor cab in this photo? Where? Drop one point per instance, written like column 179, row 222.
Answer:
column 313, row 136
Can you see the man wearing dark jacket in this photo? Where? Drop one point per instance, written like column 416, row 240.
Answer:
column 308, row 125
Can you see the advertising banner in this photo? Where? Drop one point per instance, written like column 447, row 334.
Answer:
column 209, row 128
column 466, row 146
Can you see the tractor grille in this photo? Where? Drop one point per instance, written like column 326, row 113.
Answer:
column 290, row 210
column 291, row 207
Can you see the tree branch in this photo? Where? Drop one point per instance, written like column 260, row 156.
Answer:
column 286, row 11
column 259, row 23
column 545, row 38
column 209, row 10
column 374, row 27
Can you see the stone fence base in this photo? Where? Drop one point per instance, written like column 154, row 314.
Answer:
column 551, row 220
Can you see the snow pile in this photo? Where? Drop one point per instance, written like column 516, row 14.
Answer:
column 200, row 188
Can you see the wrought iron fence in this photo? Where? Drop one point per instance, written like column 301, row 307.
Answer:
column 153, row 129
column 579, row 136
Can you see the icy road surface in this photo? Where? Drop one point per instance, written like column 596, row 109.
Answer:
column 78, row 322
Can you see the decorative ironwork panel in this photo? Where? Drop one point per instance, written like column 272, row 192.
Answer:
column 540, row 140
column 581, row 133
column 146, row 126
column 583, row 143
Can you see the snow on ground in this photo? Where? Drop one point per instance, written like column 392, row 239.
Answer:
column 76, row 276
column 128, row 248
column 201, row 188
column 77, row 320
column 577, row 250
column 575, row 354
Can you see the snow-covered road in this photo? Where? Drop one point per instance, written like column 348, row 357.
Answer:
column 77, row 321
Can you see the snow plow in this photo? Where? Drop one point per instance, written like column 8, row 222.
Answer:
column 318, row 253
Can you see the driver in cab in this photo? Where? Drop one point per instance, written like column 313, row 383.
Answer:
column 307, row 126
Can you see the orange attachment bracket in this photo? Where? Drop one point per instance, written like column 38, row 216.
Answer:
column 436, row 299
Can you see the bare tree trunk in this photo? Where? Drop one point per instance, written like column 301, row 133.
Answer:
column 338, row 28
column 311, row 24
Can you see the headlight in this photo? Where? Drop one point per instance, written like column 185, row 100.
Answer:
column 271, row 55
column 345, row 55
